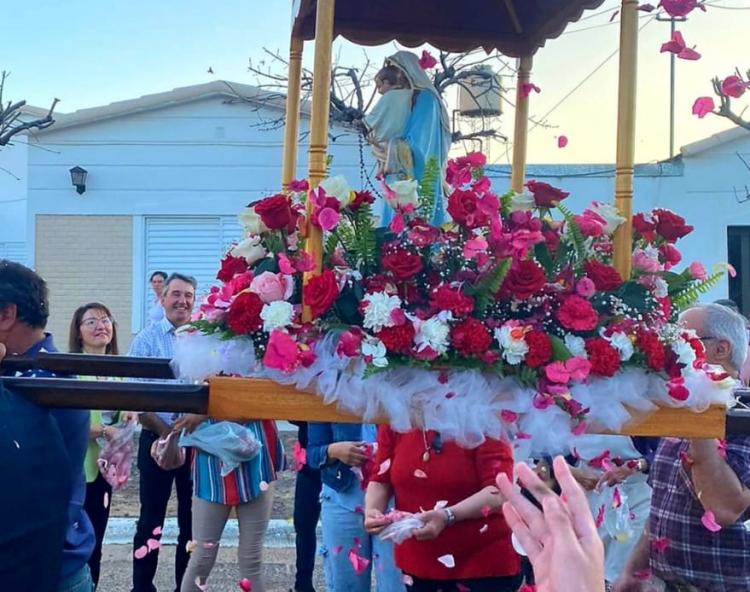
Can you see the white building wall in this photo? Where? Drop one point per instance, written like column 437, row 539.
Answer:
column 13, row 191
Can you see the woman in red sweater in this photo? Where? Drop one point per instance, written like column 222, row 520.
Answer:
column 465, row 542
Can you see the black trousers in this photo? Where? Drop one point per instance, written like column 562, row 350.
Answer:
column 97, row 493
column 155, row 491
column 306, row 514
column 503, row 584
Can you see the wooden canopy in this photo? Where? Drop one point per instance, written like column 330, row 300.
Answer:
column 515, row 28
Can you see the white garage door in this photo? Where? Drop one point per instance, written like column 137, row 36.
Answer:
column 193, row 245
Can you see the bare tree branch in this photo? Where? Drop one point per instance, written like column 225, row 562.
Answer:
column 11, row 123
column 725, row 106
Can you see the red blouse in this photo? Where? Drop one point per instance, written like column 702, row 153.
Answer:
column 481, row 547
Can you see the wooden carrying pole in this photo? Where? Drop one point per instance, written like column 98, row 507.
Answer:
column 626, row 104
column 291, row 127
column 521, row 126
column 321, row 100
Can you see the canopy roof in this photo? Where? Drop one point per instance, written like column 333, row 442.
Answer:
column 513, row 27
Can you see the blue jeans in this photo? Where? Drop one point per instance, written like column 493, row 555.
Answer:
column 340, row 528
column 80, row 581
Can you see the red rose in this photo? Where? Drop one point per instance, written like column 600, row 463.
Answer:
column 378, row 283
column 669, row 255
column 670, row 226
column 540, row 349
column 605, row 277
column 276, row 212
column 398, row 339
column 524, row 279
column 402, row 264
column 361, row 198
column 244, row 314
column 545, row 195
column 231, row 266
column 652, row 348
column 453, row 299
column 471, row 337
column 577, row 314
column 320, row 292
column 643, row 226
column 463, row 206
column 605, row 359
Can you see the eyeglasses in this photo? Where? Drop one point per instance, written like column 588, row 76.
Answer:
column 91, row 323
column 708, row 338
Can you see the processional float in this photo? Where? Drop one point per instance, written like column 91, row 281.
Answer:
column 516, row 28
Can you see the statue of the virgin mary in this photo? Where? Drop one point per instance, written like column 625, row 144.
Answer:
column 409, row 126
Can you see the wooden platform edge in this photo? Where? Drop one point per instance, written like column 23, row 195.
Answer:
column 232, row 398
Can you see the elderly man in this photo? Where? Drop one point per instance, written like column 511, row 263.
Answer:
column 157, row 341
column 699, row 486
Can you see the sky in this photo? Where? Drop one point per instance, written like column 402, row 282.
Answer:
column 92, row 52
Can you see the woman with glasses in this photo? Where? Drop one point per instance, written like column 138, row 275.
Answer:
column 93, row 331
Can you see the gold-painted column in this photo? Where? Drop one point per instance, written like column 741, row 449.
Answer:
column 521, row 126
column 291, row 128
column 319, row 126
column 626, row 134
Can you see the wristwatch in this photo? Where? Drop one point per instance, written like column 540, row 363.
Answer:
column 450, row 517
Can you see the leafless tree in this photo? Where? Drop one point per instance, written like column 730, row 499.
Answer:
column 725, row 105
column 12, row 121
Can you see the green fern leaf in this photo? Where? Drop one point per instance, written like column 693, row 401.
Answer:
column 574, row 231
column 485, row 289
column 427, row 185
column 690, row 296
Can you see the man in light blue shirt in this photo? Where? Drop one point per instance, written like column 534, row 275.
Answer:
column 157, row 341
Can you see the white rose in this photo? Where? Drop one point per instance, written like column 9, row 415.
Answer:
column 375, row 349
column 250, row 249
column 622, row 344
column 252, row 222
column 339, row 188
column 277, row 315
column 610, row 214
column 576, row 346
column 514, row 350
column 432, row 333
column 378, row 310
column 405, row 193
column 522, row 202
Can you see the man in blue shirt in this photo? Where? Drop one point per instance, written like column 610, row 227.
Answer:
column 40, row 480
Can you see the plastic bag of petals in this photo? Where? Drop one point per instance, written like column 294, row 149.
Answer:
column 167, row 453
column 402, row 526
column 231, row 442
column 116, row 456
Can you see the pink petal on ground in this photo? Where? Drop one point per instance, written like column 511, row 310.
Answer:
column 153, row 544
column 562, row 141
column 156, row 531
column 245, row 585
column 448, row 561
column 358, row 563
column 660, row 544
column 420, row 474
column 140, row 552
column 709, row 521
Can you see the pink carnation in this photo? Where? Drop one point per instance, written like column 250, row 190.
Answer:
column 585, row 287
column 282, row 352
column 697, row 270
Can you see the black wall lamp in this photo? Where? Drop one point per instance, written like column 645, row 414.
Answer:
column 78, row 177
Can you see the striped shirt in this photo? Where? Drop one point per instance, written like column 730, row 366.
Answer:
column 245, row 483
column 156, row 341
column 711, row 561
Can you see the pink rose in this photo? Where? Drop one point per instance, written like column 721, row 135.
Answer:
column 282, row 352
column 272, row 286
column 645, row 262
column 697, row 270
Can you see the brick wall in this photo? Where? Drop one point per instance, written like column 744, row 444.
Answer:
column 86, row 259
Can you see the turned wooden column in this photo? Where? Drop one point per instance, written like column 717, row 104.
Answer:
column 291, row 127
column 521, row 126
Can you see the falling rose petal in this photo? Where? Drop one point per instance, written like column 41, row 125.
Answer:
column 407, row 580
column 245, row 585
column 703, row 106
column 484, row 529
column 462, row 587
column 447, row 560
column 358, row 563
column 599, row 520
column 420, row 474
column 485, row 511
column 527, row 87
column 709, row 521
column 440, row 504
column 384, row 466
column 427, row 60
column 689, row 54
column 106, row 500
column 153, row 544
column 201, row 586
column 660, row 544
column 562, row 141
column 337, row 549
column 156, row 531
column 140, row 552
column 263, row 486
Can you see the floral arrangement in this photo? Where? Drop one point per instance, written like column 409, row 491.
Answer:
column 515, row 286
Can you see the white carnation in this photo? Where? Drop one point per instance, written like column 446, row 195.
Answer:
column 378, row 310
column 514, row 350
column 684, row 352
column 576, row 346
column 622, row 344
column 522, row 202
column 610, row 214
column 432, row 333
column 277, row 315
column 375, row 350
column 661, row 288
column 339, row 188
